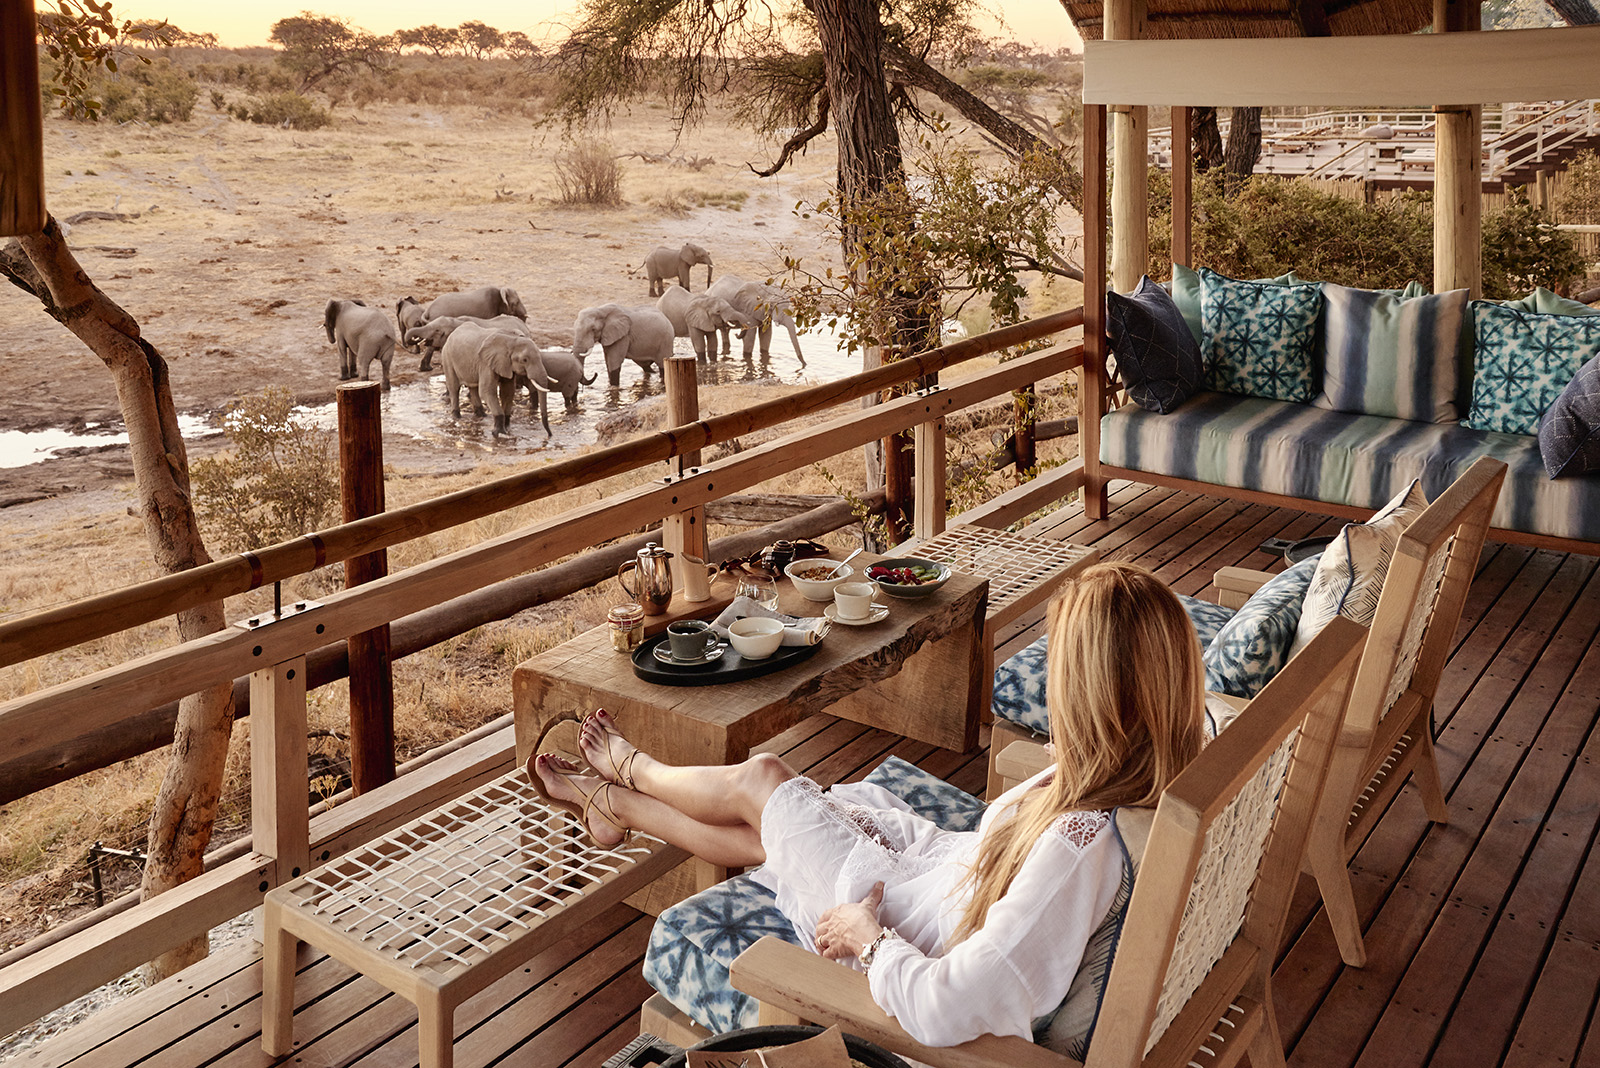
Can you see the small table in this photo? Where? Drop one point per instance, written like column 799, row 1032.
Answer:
column 918, row 674
column 444, row 906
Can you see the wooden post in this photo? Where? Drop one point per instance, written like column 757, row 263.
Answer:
column 280, row 814
column 1024, row 416
column 898, row 487
column 1182, row 186
column 931, row 496
column 22, row 209
column 371, row 677
column 684, row 532
column 1092, row 376
column 1457, row 184
column 1130, row 192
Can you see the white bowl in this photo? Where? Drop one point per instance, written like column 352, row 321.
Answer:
column 756, row 637
column 813, row 589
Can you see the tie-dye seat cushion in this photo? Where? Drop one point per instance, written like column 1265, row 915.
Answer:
column 694, row 942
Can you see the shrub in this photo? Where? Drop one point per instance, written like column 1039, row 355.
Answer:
column 589, row 173
column 289, row 109
column 219, row 101
column 1523, row 249
column 168, row 94
column 279, row 482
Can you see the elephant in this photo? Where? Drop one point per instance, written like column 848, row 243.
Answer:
column 665, row 262
column 361, row 334
column 488, row 362
column 485, row 302
column 764, row 305
column 562, row 373
column 643, row 335
column 565, row 375
column 428, row 337
column 698, row 316
column 411, row 312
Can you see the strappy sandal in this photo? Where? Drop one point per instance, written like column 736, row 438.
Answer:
column 621, row 772
column 579, row 811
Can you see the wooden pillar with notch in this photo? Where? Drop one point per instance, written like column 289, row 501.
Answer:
column 1457, row 183
column 22, row 209
column 1092, row 375
column 1182, row 186
column 280, row 815
column 931, row 494
column 684, row 533
column 371, row 676
column 1130, row 138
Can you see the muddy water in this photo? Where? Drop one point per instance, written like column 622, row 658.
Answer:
column 19, row 448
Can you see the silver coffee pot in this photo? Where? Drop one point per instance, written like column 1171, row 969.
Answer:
column 652, row 578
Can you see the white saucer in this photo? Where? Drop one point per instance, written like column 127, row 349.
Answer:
column 664, row 654
column 878, row 614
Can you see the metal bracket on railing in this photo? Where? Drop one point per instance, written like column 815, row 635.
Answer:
column 928, row 391
column 97, row 851
column 687, row 472
column 279, row 610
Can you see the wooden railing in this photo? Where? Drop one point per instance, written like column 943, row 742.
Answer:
column 284, row 839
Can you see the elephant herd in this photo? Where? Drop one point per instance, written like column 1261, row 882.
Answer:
column 483, row 342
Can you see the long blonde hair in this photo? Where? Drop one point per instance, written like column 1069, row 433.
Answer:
column 1125, row 689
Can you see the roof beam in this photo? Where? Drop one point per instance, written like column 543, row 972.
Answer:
column 1445, row 68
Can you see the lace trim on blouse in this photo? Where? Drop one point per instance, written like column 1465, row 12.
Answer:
column 1079, row 829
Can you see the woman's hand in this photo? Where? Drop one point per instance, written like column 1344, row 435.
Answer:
column 844, row 929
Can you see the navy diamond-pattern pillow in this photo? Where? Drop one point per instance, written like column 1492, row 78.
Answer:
column 1260, row 337
column 1157, row 358
column 1569, row 435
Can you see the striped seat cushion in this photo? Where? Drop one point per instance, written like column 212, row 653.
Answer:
column 1361, row 460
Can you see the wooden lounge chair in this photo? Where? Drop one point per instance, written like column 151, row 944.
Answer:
column 1388, row 729
column 1193, row 969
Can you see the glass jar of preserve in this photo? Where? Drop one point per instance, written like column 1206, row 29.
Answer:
column 626, row 622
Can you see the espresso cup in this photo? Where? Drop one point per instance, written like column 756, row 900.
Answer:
column 853, row 600
column 690, row 639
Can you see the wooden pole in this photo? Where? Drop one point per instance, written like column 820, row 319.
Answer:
column 22, row 209
column 1182, row 186
column 685, row 532
column 280, row 815
column 371, row 677
column 1092, row 377
column 1130, row 191
column 1458, row 187
column 931, row 490
column 1024, row 430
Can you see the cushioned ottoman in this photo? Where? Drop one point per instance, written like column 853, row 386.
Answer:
column 694, row 942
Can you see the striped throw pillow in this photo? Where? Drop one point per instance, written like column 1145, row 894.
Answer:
column 1385, row 355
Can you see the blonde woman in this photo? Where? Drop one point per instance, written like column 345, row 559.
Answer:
column 960, row 933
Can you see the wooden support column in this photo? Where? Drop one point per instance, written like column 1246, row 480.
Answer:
column 930, row 497
column 1457, row 184
column 1182, row 186
column 1024, row 419
column 22, row 209
column 684, row 532
column 1092, row 376
column 280, row 815
column 1130, row 138
column 371, row 676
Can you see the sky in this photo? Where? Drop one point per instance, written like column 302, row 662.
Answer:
column 1043, row 23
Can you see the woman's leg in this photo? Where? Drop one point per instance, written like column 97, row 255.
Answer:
column 610, row 809
column 719, row 796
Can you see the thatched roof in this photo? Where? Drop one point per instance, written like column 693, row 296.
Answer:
column 1194, row 19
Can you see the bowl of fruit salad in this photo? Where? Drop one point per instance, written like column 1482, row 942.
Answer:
column 908, row 576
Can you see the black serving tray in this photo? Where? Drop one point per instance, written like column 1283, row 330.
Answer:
column 730, row 667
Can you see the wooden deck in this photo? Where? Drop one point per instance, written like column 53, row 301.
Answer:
column 1483, row 936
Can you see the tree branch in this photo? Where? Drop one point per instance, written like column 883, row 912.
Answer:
column 800, row 140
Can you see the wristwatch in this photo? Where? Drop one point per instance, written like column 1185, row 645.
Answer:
column 869, row 951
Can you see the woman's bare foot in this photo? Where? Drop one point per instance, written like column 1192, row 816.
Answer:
column 610, row 754
column 586, row 797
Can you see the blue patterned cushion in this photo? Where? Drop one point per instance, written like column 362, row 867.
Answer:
column 1185, row 289
column 1019, row 682
column 694, row 942
column 1569, row 434
column 1521, row 363
column 1157, row 359
column 1259, row 337
column 1386, row 355
column 1253, row 646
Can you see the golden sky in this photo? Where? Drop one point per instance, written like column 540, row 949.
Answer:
column 1040, row 22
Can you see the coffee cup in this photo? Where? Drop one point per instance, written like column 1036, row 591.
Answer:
column 756, row 637
column 690, row 639
column 853, row 600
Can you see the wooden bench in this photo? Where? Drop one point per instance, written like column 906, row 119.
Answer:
column 444, row 906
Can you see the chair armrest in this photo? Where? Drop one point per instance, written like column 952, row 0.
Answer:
column 1019, row 761
column 814, row 988
column 1236, row 584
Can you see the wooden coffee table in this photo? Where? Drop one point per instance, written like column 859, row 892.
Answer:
column 917, row 674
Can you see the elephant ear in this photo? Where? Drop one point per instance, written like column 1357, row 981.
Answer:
column 330, row 315
column 500, row 355
column 616, row 327
column 700, row 318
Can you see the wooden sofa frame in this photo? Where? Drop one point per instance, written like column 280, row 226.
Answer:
column 1229, row 1011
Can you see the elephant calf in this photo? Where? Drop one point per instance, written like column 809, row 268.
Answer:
column 698, row 316
column 643, row 335
column 361, row 334
column 488, row 362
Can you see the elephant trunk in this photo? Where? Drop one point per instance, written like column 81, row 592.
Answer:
column 590, row 380
column 794, row 336
column 708, row 274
